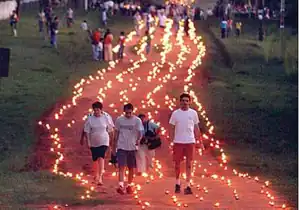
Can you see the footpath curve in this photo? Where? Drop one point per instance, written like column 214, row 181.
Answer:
column 152, row 83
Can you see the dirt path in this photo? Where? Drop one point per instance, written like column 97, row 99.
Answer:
column 149, row 82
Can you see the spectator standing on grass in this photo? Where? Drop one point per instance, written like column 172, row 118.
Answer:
column 101, row 49
column 14, row 19
column 69, row 17
column 98, row 132
column 108, row 38
column 84, row 25
column 121, row 42
column 96, row 36
column 48, row 14
column 54, row 31
column 229, row 26
column 184, row 132
column 104, row 16
column 41, row 21
column 238, row 28
column 223, row 26
column 144, row 155
column 128, row 133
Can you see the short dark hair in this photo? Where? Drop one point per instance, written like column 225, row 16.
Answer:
column 98, row 105
column 128, row 106
column 141, row 115
column 122, row 33
column 185, row 95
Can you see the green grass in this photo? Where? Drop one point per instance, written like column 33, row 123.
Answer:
column 38, row 77
column 254, row 106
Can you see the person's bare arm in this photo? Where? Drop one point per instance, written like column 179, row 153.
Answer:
column 197, row 131
column 83, row 137
column 171, row 132
column 197, row 136
column 114, row 142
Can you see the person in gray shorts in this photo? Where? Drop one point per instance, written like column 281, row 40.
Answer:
column 128, row 133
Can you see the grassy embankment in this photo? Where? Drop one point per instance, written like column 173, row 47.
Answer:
column 38, row 77
column 252, row 99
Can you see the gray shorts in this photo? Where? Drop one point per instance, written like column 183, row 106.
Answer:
column 126, row 158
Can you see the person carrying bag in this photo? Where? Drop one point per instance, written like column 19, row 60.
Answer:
column 148, row 144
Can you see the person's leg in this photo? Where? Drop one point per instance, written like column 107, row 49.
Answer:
column 188, row 152
column 140, row 160
column 101, row 162
column 131, row 163
column 95, row 164
column 15, row 29
column 149, row 155
column 122, row 162
column 177, row 158
column 105, row 52
column 110, row 54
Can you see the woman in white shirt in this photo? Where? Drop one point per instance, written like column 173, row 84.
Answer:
column 98, row 131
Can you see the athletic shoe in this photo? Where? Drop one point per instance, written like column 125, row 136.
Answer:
column 120, row 190
column 177, row 188
column 188, row 191
column 129, row 190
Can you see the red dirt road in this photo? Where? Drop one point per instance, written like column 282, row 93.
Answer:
column 150, row 83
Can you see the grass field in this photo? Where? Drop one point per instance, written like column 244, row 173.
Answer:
column 254, row 104
column 38, row 77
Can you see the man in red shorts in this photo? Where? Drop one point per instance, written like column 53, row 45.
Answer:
column 185, row 129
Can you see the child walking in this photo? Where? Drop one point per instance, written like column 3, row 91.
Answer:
column 100, row 49
column 13, row 23
column 121, row 42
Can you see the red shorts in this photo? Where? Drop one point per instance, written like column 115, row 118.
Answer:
column 181, row 150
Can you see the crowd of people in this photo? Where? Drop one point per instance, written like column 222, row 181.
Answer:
column 133, row 140
column 102, row 39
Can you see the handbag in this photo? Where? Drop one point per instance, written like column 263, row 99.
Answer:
column 153, row 140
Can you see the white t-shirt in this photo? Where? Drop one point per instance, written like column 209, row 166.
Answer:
column 100, row 46
column 97, row 129
column 162, row 20
column 84, row 26
column 184, row 122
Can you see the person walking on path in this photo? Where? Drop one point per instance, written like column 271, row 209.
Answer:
column 144, row 155
column 186, row 26
column 121, row 43
column 98, row 131
column 128, row 133
column 137, row 19
column 185, row 130
column 108, row 38
column 148, row 42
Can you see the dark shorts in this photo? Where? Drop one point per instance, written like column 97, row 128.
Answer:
column 126, row 158
column 183, row 150
column 98, row 152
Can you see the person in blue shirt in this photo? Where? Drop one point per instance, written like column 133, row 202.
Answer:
column 223, row 26
column 144, row 155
